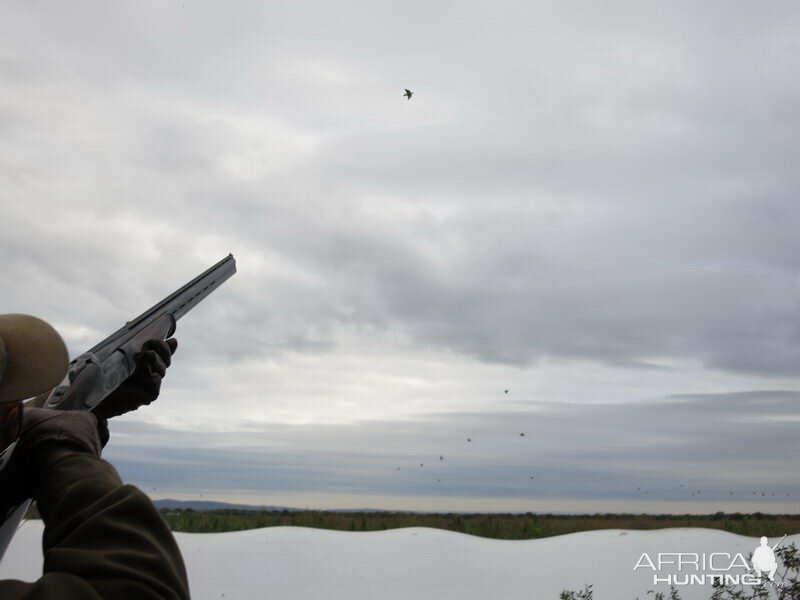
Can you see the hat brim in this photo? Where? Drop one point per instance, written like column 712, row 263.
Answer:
column 33, row 357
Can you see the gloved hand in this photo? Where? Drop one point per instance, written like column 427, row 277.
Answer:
column 144, row 384
column 47, row 435
column 76, row 429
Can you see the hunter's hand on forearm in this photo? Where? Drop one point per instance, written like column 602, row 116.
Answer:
column 144, row 385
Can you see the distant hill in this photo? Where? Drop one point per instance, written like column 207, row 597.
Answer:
column 210, row 505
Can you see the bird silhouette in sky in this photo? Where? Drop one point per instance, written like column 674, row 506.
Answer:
column 408, row 94
column 521, row 435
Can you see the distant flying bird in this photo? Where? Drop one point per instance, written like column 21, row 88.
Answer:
column 441, row 457
column 506, row 391
column 408, row 94
column 521, row 435
column 532, row 477
column 469, row 439
column 421, row 465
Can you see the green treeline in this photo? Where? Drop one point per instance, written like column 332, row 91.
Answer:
column 500, row 526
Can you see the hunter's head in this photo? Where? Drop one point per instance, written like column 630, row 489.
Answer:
column 33, row 360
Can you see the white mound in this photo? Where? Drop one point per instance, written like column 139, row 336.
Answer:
column 416, row 563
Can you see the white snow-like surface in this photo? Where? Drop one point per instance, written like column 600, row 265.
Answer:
column 415, row 563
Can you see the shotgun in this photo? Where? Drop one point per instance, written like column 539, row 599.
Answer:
column 93, row 375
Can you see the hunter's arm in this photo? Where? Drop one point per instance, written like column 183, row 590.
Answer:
column 102, row 540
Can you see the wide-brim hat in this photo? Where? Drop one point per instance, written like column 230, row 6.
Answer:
column 33, row 357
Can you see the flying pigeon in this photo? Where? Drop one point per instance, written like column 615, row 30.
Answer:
column 408, row 94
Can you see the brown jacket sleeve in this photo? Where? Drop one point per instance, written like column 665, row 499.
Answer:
column 102, row 539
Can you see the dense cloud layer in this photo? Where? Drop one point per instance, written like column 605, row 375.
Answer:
column 605, row 195
column 714, row 448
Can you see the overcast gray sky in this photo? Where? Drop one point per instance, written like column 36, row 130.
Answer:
column 591, row 205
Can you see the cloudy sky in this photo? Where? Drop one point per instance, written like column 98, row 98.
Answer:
column 590, row 205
